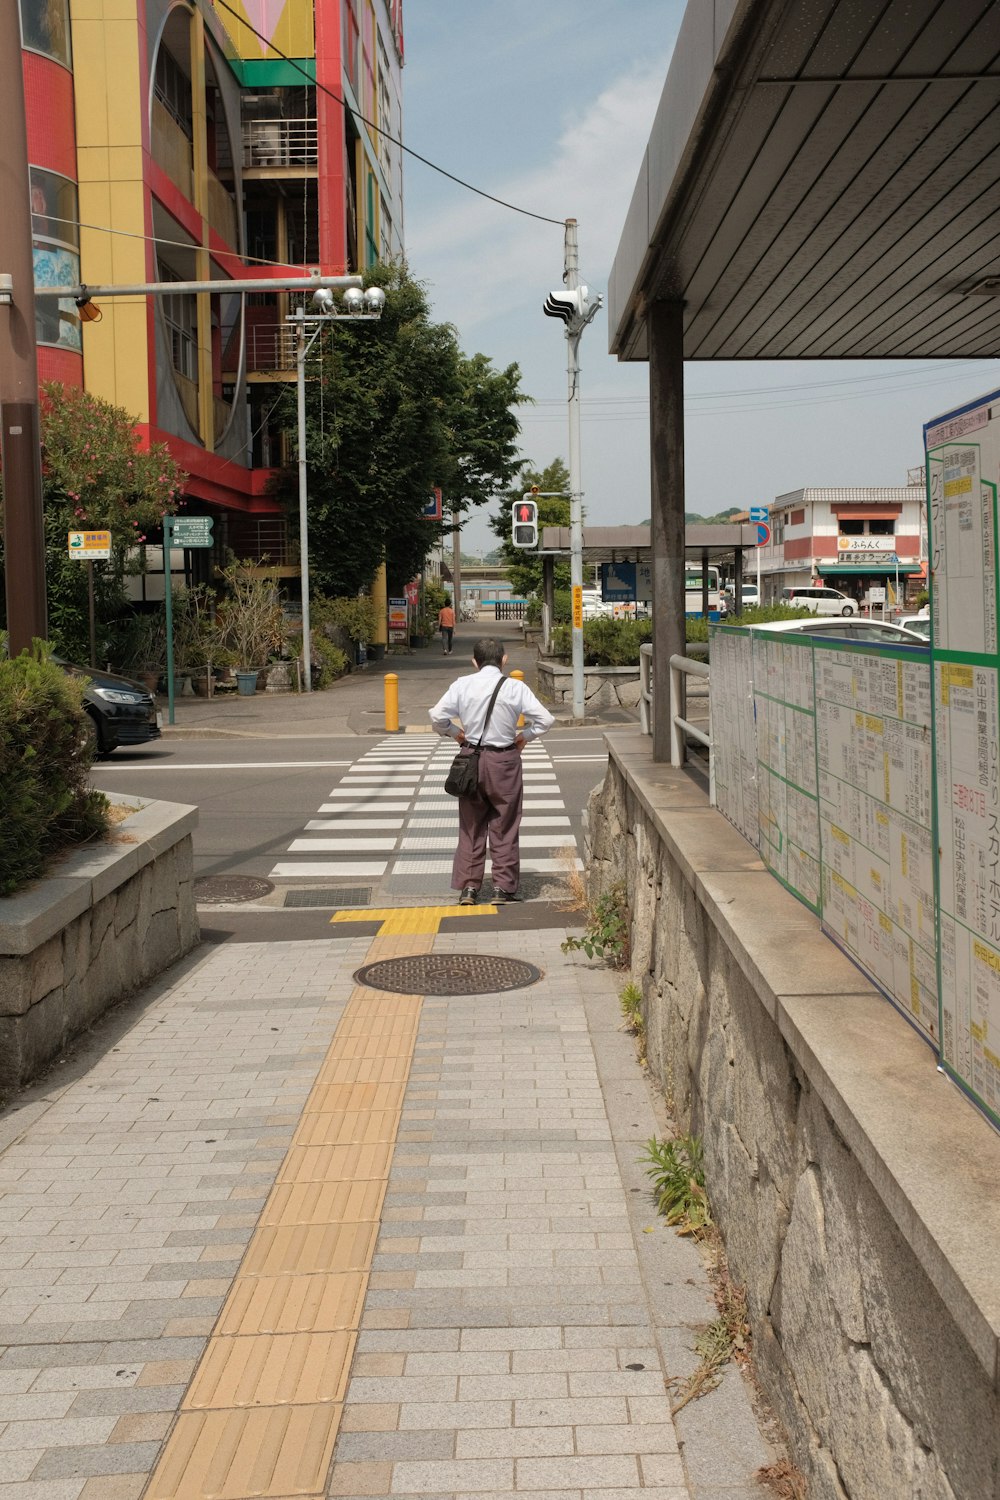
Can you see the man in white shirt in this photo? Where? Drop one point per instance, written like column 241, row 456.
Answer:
column 494, row 816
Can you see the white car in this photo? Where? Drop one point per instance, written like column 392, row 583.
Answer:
column 822, row 601
column 596, row 608
column 920, row 624
column 852, row 628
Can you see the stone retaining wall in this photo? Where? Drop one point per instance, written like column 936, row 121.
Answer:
column 603, row 687
column 855, row 1187
column 109, row 919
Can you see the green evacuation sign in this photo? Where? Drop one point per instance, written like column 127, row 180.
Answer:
column 190, row 531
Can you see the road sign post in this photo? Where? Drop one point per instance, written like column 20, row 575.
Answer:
column 758, row 514
column 90, row 547
column 178, row 531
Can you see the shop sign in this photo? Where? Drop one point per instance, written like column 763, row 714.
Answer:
column 866, row 544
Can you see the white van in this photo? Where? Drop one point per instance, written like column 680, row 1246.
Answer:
column 822, row 601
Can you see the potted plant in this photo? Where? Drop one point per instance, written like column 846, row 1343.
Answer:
column 249, row 622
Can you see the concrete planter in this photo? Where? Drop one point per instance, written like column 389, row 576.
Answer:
column 110, row 918
column 603, row 687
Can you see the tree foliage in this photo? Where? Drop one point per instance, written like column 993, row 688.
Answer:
column 96, row 476
column 394, row 409
column 524, row 569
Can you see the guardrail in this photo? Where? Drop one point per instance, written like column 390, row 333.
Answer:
column 681, row 730
column 280, row 143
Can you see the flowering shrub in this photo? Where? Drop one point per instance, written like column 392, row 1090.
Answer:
column 96, row 475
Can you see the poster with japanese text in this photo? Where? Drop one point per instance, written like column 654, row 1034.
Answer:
column 963, row 474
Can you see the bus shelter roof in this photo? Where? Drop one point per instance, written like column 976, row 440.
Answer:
column 821, row 182
column 634, row 543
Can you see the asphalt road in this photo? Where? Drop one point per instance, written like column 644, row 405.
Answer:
column 256, row 795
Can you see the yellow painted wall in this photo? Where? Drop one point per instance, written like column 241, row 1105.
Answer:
column 293, row 33
column 107, row 75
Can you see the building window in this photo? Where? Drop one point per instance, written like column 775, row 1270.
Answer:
column 352, row 44
column 881, row 528
column 852, row 528
column 55, row 249
column 797, row 518
column 180, row 312
column 172, row 87
column 778, row 529
column 371, row 244
column 45, row 28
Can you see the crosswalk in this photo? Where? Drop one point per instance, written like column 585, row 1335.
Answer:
column 390, row 819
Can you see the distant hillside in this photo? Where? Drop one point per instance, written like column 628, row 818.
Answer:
column 692, row 518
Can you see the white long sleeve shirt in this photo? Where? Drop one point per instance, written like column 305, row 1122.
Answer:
column 468, row 698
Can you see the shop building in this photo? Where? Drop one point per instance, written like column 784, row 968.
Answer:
column 854, row 540
column 176, row 142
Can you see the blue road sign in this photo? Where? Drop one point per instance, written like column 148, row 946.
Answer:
column 758, row 513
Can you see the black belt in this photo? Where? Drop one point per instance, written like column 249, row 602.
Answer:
column 499, row 747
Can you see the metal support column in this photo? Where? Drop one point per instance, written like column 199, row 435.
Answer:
column 548, row 600
column 666, row 424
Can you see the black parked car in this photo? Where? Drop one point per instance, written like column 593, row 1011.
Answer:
column 121, row 712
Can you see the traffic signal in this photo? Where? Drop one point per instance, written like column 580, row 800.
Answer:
column 524, row 528
column 576, row 308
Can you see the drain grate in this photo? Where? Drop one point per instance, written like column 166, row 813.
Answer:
column 230, row 890
column 448, row 974
column 353, row 895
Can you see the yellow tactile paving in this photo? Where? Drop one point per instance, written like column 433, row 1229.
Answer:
column 327, row 1098
column 336, row 1163
column 270, row 1453
column 403, row 920
column 300, row 1248
column 272, row 1369
column 294, row 1304
column 260, row 1418
column 367, row 1064
column 347, row 1127
column 324, row 1202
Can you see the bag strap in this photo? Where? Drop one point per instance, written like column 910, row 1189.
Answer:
column 479, row 743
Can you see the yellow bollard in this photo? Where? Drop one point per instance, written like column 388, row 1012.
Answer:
column 391, row 681
column 520, row 677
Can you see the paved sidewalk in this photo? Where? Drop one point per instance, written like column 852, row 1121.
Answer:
column 276, row 1234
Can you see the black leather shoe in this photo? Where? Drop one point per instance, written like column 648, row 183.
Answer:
column 501, row 898
column 469, row 896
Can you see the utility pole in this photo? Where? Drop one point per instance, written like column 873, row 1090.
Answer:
column 456, row 563
column 576, row 306
column 20, row 444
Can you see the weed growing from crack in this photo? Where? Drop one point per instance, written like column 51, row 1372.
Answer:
column 606, row 934
column 679, row 1183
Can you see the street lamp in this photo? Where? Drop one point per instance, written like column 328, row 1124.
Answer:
column 356, row 305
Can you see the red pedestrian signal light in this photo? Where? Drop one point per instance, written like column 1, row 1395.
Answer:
column 524, row 523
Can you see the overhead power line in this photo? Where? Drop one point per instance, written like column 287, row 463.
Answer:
column 480, row 192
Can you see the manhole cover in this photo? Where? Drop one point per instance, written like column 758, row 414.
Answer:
column 359, row 895
column 222, row 890
column 448, row 974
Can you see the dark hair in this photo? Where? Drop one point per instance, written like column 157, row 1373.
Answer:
column 488, row 652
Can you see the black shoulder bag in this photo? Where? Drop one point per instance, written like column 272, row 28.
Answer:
column 463, row 777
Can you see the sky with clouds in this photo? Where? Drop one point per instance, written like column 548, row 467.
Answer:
column 548, row 104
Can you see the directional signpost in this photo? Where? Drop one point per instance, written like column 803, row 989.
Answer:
column 179, row 531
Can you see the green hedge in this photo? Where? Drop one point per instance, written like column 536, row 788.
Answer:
column 47, row 801
column 615, row 643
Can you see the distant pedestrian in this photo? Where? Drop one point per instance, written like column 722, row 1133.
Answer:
column 446, row 625
column 495, row 816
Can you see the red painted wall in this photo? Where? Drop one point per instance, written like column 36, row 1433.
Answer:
column 330, row 121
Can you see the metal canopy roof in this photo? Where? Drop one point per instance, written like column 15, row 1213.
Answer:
column 633, row 543
column 821, row 182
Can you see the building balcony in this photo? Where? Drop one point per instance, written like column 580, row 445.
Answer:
column 222, row 211
column 270, row 348
column 280, row 144
column 172, row 151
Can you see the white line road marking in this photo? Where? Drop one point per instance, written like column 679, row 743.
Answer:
column 527, row 841
column 332, row 869
column 371, row 793
column 415, row 864
column 363, row 825
column 373, row 804
column 226, row 765
column 338, row 846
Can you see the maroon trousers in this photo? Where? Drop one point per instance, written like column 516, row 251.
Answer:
column 494, row 818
